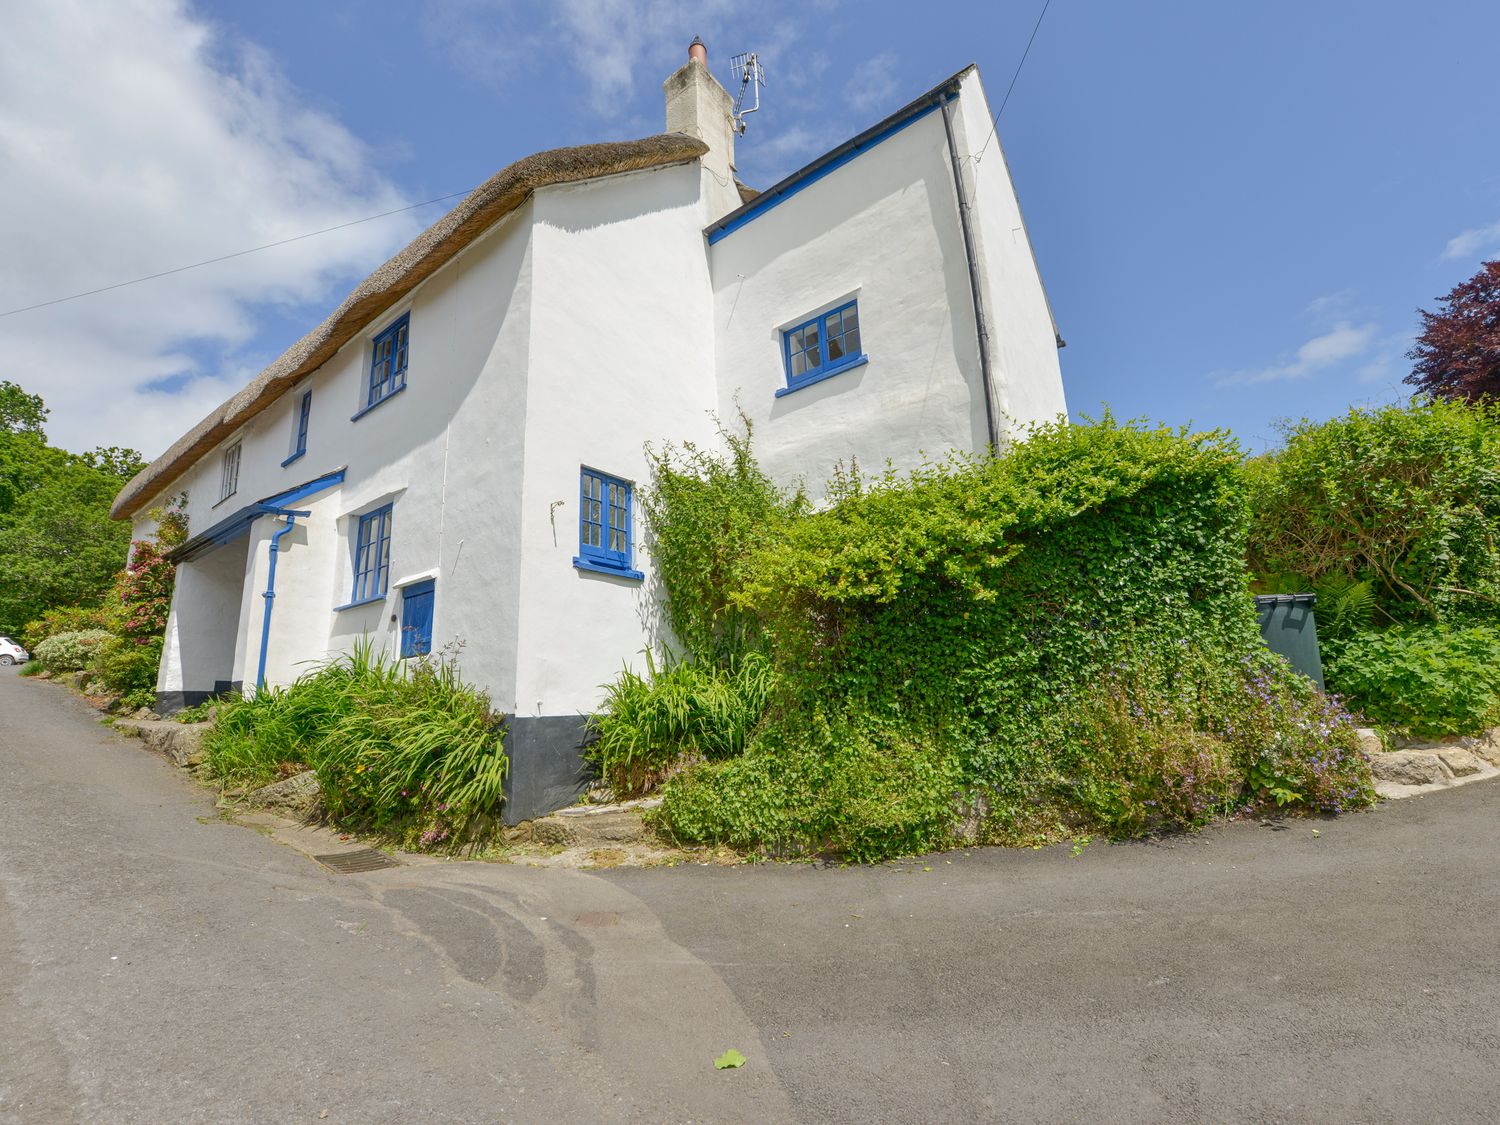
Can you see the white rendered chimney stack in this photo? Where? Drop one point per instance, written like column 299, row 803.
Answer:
column 698, row 106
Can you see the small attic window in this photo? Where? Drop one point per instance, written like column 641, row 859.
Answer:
column 229, row 478
column 299, row 428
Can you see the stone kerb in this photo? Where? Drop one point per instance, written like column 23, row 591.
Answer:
column 1425, row 767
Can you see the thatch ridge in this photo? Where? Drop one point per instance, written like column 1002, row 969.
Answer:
column 497, row 197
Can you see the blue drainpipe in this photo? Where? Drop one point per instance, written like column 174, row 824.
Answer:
column 270, row 594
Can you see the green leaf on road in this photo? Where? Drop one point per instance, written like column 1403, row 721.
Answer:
column 729, row 1060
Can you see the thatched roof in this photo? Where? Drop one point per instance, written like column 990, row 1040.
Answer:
column 497, row 197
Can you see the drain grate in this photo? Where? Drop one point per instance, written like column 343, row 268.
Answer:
column 350, row 863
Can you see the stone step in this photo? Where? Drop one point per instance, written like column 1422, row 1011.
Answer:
column 180, row 743
column 594, row 825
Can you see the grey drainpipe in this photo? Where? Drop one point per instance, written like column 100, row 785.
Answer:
column 980, row 322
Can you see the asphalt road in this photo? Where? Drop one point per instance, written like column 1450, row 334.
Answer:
column 159, row 965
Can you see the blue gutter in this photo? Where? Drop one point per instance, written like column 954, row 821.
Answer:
column 270, row 594
column 837, row 158
column 231, row 527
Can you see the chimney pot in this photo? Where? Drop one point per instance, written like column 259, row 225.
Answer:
column 696, row 50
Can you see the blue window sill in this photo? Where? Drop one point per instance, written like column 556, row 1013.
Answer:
column 355, row 605
column 293, row 457
column 600, row 568
column 826, row 373
column 362, row 411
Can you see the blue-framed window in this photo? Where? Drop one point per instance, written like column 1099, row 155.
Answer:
column 826, row 344
column 416, row 618
column 604, row 535
column 372, row 556
column 299, row 428
column 388, row 362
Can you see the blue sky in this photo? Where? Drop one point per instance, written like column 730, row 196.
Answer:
column 1237, row 210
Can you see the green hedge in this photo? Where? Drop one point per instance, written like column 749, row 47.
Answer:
column 951, row 636
column 1403, row 498
column 1392, row 517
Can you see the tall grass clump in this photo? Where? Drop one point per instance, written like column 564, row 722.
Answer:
column 401, row 748
column 650, row 725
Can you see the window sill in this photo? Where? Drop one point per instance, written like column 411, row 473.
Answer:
column 826, row 373
column 223, row 499
column 616, row 571
column 294, row 457
column 377, row 404
column 356, row 605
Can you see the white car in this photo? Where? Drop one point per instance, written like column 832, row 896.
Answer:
column 12, row 653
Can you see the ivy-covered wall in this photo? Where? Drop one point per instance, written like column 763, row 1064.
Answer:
column 1061, row 637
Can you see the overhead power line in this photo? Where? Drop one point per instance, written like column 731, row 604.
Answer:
column 236, row 254
column 995, row 124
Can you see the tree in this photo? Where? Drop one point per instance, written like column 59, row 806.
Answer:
column 58, row 545
column 116, row 460
column 20, row 413
column 1458, row 352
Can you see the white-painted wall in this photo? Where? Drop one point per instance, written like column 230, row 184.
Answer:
column 883, row 228
column 1023, row 340
column 199, row 647
column 621, row 355
column 446, row 452
column 592, row 321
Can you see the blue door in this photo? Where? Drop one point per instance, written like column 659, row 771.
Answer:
column 416, row 619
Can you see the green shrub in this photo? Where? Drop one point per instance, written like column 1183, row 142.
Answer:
column 68, row 619
column 1174, row 736
column 648, row 724
column 402, row 748
column 705, row 515
column 1007, row 633
column 822, row 785
column 128, row 667
column 1426, row 679
column 1404, row 498
column 70, row 652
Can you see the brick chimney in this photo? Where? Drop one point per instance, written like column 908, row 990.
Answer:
column 698, row 106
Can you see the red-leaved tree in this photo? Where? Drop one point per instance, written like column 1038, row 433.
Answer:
column 1458, row 353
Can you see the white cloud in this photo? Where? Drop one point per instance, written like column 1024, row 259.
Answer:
column 1472, row 243
column 1343, row 342
column 873, row 86
column 607, row 59
column 134, row 139
column 615, row 47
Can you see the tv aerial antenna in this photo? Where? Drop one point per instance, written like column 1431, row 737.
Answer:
column 752, row 77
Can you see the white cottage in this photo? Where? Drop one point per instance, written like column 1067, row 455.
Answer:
column 453, row 454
